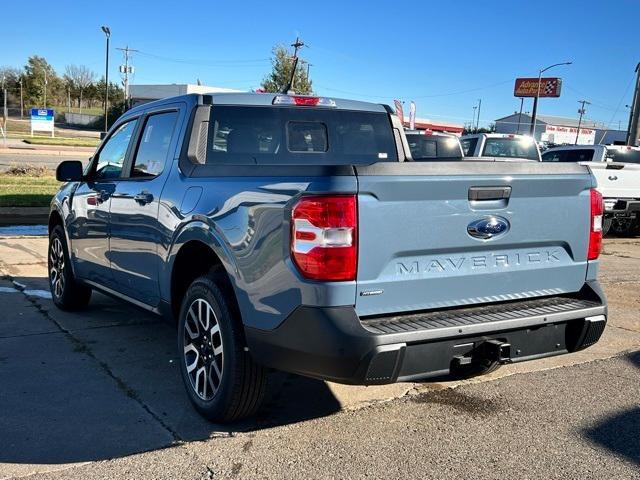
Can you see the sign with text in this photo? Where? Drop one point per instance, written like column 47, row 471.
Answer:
column 42, row 120
column 528, row 87
column 567, row 135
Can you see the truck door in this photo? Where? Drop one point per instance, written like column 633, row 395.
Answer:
column 135, row 229
column 88, row 226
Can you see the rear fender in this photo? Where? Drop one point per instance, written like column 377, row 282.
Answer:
column 196, row 230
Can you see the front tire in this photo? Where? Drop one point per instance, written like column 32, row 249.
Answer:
column 222, row 380
column 67, row 293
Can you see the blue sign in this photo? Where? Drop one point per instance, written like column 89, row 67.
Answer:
column 42, row 114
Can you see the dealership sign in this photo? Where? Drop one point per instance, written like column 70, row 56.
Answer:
column 563, row 135
column 42, row 120
column 528, row 87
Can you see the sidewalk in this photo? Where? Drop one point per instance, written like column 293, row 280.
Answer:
column 15, row 146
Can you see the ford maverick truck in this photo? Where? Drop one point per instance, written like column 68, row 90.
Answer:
column 296, row 233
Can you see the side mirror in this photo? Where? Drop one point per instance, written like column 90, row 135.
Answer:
column 69, row 171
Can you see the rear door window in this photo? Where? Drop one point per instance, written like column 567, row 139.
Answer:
column 298, row 136
column 153, row 147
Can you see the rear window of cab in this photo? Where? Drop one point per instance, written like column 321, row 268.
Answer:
column 298, row 136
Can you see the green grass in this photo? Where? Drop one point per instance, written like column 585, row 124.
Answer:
column 25, row 191
column 72, row 142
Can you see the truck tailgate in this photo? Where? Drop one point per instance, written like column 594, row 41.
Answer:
column 415, row 251
column 617, row 179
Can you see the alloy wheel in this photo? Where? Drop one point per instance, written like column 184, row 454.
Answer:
column 203, row 350
column 56, row 267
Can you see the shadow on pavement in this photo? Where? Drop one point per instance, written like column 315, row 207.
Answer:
column 105, row 383
column 620, row 433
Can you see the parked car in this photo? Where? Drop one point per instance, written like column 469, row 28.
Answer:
column 500, row 145
column 289, row 232
column 426, row 145
column 617, row 171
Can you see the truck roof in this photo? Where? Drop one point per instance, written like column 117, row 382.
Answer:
column 257, row 99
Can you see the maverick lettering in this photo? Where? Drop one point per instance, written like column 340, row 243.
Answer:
column 475, row 262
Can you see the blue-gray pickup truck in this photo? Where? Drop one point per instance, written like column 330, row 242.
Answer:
column 296, row 233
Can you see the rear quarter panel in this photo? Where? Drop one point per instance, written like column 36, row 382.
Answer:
column 245, row 220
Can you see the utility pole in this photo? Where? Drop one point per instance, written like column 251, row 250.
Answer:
column 632, row 132
column 296, row 46
column 125, row 70
column 45, row 88
column 581, row 111
column 5, row 114
column 107, row 33
column 21, row 100
column 473, row 121
column 478, row 119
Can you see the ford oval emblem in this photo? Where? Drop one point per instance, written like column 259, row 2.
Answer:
column 488, row 227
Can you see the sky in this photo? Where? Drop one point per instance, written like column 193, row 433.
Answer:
column 445, row 56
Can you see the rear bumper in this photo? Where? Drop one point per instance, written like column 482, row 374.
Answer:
column 621, row 207
column 334, row 344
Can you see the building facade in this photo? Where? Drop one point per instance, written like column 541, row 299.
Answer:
column 560, row 130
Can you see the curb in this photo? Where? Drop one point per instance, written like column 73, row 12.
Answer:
column 24, row 215
column 28, row 151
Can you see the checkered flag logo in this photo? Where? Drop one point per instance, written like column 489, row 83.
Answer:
column 550, row 86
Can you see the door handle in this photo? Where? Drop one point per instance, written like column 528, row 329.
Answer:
column 143, row 198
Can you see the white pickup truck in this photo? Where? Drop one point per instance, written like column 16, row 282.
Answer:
column 502, row 146
column 617, row 171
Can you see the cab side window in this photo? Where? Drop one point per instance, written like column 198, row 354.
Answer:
column 153, row 148
column 469, row 146
column 111, row 157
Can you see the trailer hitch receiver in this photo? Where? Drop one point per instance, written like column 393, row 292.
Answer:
column 497, row 351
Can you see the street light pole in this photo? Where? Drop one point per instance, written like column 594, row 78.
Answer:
column 581, row 111
column 520, row 114
column 107, row 33
column 532, row 131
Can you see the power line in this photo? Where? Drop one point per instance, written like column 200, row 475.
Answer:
column 212, row 63
column 459, row 92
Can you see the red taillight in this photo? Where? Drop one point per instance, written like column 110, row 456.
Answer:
column 324, row 240
column 303, row 101
column 595, row 234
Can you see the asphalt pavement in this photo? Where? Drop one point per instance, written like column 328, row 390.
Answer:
column 8, row 160
column 98, row 394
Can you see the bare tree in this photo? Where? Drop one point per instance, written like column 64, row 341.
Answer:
column 80, row 78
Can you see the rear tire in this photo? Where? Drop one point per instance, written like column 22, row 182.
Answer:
column 606, row 225
column 222, row 380
column 67, row 293
column 627, row 227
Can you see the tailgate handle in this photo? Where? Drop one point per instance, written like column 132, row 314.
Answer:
column 489, row 193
